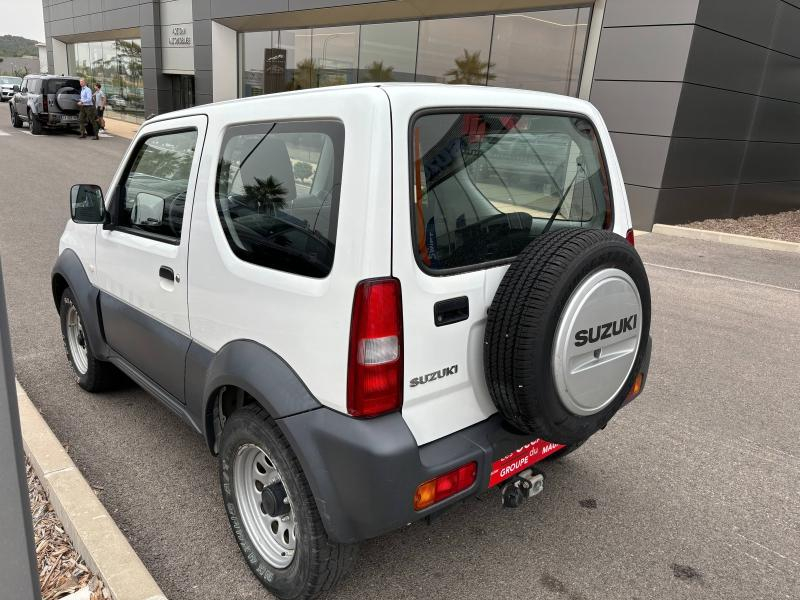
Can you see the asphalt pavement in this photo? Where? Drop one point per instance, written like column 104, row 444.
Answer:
column 691, row 492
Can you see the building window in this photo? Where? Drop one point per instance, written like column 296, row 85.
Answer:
column 117, row 66
column 540, row 50
column 388, row 52
column 536, row 50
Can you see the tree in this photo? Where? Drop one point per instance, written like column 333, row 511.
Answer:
column 269, row 194
column 470, row 69
column 306, row 75
column 302, row 170
column 377, row 72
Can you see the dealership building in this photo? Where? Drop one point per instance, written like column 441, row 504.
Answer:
column 702, row 96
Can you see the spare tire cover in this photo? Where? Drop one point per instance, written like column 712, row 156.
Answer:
column 67, row 98
column 566, row 333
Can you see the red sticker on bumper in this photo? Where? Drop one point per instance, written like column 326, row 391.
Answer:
column 521, row 459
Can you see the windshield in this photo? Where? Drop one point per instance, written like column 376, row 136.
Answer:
column 10, row 80
column 485, row 184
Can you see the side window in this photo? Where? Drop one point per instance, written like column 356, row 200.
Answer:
column 277, row 194
column 35, row 86
column 24, row 86
column 153, row 192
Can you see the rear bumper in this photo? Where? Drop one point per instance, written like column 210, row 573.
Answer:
column 364, row 473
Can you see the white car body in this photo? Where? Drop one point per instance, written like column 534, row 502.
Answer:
column 305, row 320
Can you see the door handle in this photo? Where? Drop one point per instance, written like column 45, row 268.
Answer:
column 166, row 273
column 454, row 310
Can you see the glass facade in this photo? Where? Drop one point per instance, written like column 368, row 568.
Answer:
column 536, row 50
column 117, row 66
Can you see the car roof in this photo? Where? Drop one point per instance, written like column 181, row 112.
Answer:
column 415, row 94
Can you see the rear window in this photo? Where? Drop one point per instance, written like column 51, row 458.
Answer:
column 53, row 85
column 485, row 184
column 278, row 194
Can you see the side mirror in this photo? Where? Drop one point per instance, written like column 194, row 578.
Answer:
column 15, row 89
column 86, row 203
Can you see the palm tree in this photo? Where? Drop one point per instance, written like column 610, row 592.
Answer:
column 377, row 72
column 470, row 69
column 269, row 194
column 306, row 75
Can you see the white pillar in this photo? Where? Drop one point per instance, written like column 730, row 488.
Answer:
column 223, row 63
column 60, row 66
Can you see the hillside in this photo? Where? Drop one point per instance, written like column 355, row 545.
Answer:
column 14, row 45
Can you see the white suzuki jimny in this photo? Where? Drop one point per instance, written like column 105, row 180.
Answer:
column 373, row 301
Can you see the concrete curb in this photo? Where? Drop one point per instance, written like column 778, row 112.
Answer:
column 92, row 530
column 727, row 238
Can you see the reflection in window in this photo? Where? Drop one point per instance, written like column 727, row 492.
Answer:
column 537, row 50
column 454, row 50
column 540, row 50
column 117, row 66
column 335, row 50
column 388, row 52
column 154, row 192
column 277, row 194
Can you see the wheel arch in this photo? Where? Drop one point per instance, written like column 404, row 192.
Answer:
column 68, row 272
column 239, row 373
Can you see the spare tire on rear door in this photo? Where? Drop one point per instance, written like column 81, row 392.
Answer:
column 67, row 98
column 566, row 333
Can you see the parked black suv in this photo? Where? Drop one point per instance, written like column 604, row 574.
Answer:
column 46, row 101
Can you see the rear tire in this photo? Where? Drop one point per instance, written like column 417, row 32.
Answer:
column 91, row 373
column 35, row 124
column 16, row 122
column 311, row 563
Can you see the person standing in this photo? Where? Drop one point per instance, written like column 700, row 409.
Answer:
column 88, row 114
column 100, row 102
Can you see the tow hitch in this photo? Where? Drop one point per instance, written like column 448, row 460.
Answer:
column 521, row 487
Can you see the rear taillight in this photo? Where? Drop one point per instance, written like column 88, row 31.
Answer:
column 629, row 237
column 444, row 486
column 44, row 102
column 375, row 365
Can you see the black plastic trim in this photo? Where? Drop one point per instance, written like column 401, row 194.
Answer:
column 68, row 266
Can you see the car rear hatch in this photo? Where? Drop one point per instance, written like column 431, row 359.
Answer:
column 63, row 95
column 478, row 186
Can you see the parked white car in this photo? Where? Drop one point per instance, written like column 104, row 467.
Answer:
column 448, row 299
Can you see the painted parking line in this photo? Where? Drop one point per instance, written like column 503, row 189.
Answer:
column 2, row 133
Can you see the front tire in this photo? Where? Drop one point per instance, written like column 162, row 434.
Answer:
column 91, row 373
column 16, row 121
column 289, row 553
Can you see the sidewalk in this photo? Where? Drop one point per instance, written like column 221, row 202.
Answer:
column 122, row 129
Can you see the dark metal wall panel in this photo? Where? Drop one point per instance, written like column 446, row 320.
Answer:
column 682, row 205
column 236, row 8
column 642, row 157
column 764, row 198
column 750, row 20
column 656, row 53
column 697, row 162
column 707, row 112
column 771, row 163
column 643, row 202
column 722, row 61
column 644, row 107
column 626, row 13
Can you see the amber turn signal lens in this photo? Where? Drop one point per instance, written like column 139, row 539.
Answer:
column 426, row 495
column 444, row 486
column 636, row 388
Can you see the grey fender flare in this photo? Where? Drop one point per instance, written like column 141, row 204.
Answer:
column 69, row 268
column 247, row 365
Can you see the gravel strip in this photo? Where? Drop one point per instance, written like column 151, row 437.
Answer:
column 780, row 226
column 61, row 570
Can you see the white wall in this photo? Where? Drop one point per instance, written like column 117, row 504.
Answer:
column 223, row 62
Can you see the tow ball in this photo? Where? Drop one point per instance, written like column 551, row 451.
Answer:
column 521, row 487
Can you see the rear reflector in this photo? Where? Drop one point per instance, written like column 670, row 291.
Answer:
column 636, row 388
column 375, row 365
column 444, row 486
column 629, row 237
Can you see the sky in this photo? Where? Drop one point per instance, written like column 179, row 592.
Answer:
column 22, row 17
